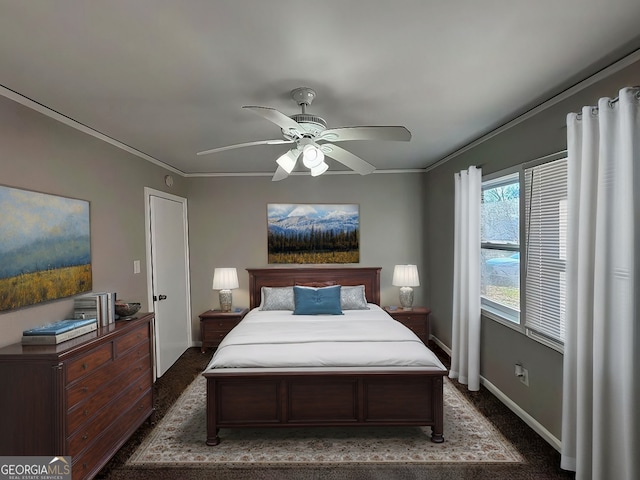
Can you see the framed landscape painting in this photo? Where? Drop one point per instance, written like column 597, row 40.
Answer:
column 45, row 253
column 313, row 233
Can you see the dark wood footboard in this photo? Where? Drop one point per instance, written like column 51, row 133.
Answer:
column 237, row 398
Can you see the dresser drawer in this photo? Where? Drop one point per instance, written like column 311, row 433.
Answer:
column 122, row 362
column 131, row 339
column 86, row 364
column 89, row 385
column 88, row 462
column 82, row 437
column 84, row 406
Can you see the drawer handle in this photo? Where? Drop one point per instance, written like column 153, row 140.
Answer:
column 84, row 437
column 85, row 366
column 85, row 412
column 84, row 389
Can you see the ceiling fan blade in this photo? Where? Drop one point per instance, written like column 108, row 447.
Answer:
column 285, row 123
column 248, row 144
column 343, row 134
column 348, row 159
column 280, row 174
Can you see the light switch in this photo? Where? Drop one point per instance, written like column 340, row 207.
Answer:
column 136, row 266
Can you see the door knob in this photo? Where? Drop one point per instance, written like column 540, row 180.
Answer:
column 159, row 297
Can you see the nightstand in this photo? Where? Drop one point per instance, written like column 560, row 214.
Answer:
column 215, row 324
column 416, row 320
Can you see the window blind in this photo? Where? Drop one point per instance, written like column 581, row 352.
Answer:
column 546, row 250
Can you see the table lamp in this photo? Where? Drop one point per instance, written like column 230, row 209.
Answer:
column 225, row 279
column 406, row 277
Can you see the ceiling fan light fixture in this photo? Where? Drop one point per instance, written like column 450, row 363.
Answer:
column 288, row 160
column 309, row 133
column 312, row 156
column 319, row 170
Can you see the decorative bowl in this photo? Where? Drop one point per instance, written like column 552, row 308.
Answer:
column 127, row 309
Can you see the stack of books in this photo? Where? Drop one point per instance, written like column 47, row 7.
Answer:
column 100, row 306
column 58, row 332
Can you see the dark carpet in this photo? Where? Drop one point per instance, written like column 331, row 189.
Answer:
column 543, row 461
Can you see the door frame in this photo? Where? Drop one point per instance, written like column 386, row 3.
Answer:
column 148, row 193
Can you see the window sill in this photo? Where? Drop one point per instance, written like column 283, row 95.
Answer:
column 558, row 347
column 501, row 318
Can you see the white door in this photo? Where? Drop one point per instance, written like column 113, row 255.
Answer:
column 169, row 282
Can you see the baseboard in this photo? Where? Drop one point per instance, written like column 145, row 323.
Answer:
column 441, row 345
column 526, row 418
column 513, row 406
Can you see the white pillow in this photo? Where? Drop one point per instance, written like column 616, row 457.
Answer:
column 277, row 298
column 353, row 298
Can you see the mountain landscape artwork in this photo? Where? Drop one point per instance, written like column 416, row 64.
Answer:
column 45, row 253
column 313, row 233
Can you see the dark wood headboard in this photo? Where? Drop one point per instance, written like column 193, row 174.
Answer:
column 284, row 277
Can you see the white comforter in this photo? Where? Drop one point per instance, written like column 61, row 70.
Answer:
column 359, row 338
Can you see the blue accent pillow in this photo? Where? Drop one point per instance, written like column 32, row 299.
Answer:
column 317, row 301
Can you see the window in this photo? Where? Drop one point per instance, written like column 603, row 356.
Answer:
column 500, row 249
column 546, row 250
column 523, row 282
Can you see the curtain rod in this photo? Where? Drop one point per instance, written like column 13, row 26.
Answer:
column 611, row 103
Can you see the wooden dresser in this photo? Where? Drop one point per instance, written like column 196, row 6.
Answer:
column 83, row 398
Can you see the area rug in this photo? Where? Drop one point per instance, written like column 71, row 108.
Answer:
column 179, row 440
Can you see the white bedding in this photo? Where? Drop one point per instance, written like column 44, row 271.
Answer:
column 359, row 338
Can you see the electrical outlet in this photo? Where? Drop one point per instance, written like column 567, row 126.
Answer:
column 522, row 373
column 136, row 266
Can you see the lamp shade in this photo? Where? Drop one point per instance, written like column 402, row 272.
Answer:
column 225, row 279
column 405, row 276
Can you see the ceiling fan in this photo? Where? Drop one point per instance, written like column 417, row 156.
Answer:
column 312, row 140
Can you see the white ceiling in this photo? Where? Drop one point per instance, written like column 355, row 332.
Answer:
column 169, row 78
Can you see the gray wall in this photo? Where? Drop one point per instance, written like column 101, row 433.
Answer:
column 227, row 216
column 41, row 154
column 502, row 347
column 228, row 226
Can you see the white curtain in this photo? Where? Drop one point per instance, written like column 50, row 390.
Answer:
column 465, row 349
column 601, row 380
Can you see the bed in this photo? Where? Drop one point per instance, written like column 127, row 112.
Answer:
column 267, row 373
